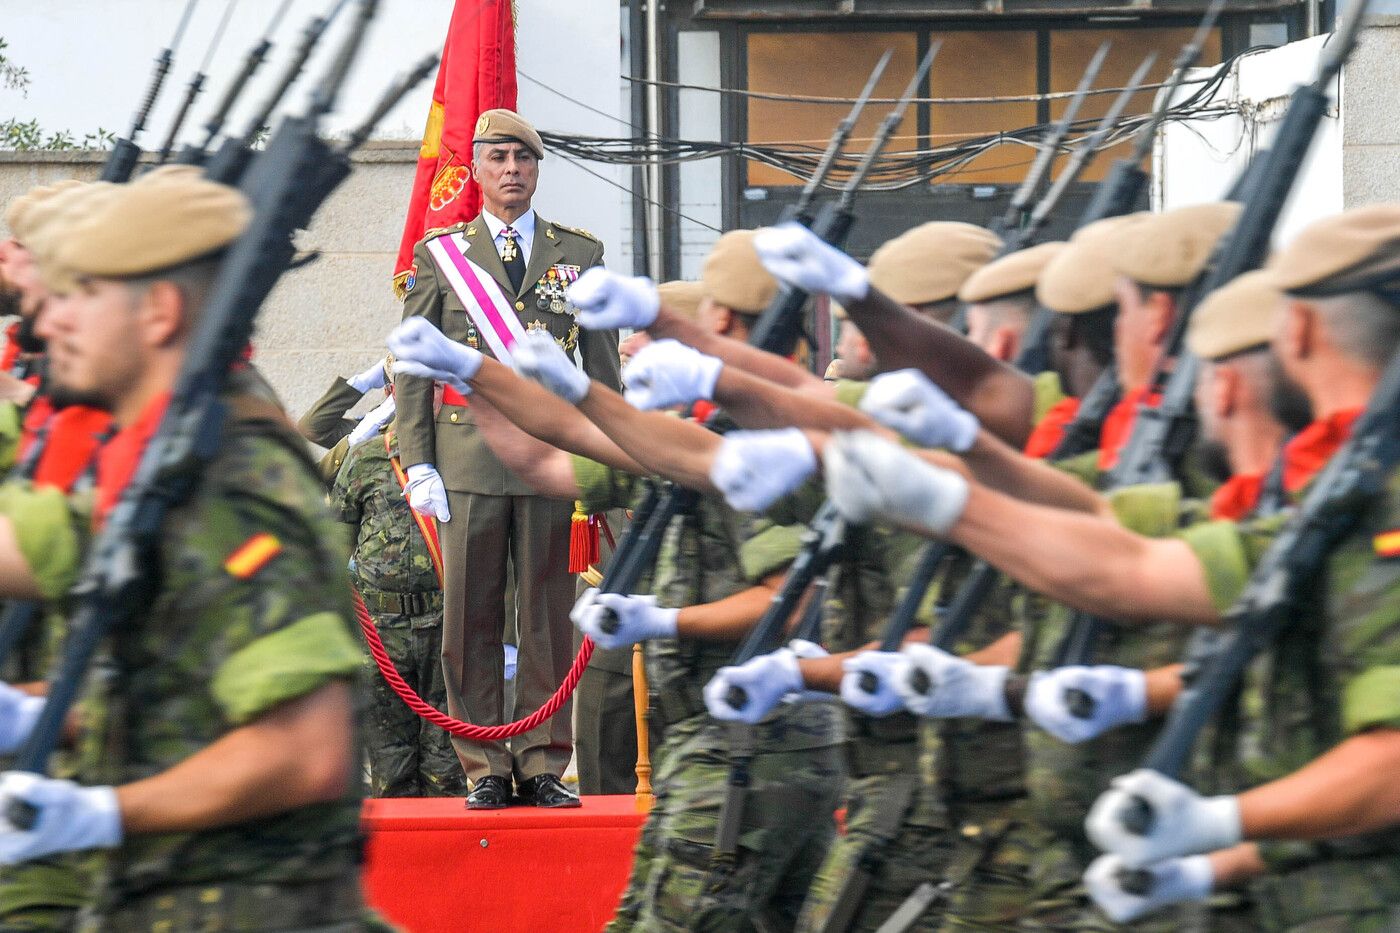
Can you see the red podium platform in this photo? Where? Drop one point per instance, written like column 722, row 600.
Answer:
column 434, row 866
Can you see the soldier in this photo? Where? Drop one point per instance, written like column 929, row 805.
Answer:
column 713, row 579
column 1307, row 755
column 326, row 425
column 216, row 741
column 492, row 520
column 393, row 569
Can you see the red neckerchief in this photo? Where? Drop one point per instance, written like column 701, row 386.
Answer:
column 1051, row 430
column 7, row 359
column 1311, row 448
column 1237, row 496
column 1118, row 426
column 119, row 457
column 72, row 439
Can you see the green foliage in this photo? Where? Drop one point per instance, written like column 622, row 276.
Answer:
column 30, row 136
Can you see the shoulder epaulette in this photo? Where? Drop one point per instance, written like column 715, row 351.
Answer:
column 436, row 232
column 577, row 231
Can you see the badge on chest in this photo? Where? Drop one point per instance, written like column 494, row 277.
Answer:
column 551, row 288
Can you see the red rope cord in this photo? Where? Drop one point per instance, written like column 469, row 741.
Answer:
column 455, row 726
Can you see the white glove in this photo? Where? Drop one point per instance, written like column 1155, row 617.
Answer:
column 71, row 818
column 420, row 349
column 754, row 469
column 638, row 618
column 883, row 665
column 869, row 478
column 1183, row 822
column 606, row 300
column 907, row 401
column 796, row 256
column 956, row 687
column 18, row 713
column 370, row 424
column 1174, row 881
column 1119, row 695
column 807, row 649
column 667, row 373
column 765, row 680
column 425, row 492
column 372, row 378
column 538, row 357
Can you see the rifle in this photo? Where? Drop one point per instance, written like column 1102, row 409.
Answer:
column 125, row 153
column 286, row 185
column 782, row 319
column 1350, row 484
column 983, row 577
column 1162, row 435
column 1050, row 147
column 196, row 85
column 195, row 155
column 1121, row 189
column 232, row 157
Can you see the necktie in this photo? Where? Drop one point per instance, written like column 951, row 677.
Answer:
column 511, row 256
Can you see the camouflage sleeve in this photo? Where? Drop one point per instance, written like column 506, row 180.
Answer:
column 1365, row 583
column 1151, row 509
column 1048, row 393
column 1083, row 467
column 601, row 487
column 769, row 548
column 51, row 533
column 348, row 491
column 10, row 429
column 259, row 571
column 1228, row 553
column 850, row 392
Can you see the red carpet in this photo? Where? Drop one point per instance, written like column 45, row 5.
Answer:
column 433, row 866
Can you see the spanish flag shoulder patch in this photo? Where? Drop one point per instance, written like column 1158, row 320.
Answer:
column 1387, row 543
column 252, row 555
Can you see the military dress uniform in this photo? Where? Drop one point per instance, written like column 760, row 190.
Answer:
column 393, row 572
column 496, row 518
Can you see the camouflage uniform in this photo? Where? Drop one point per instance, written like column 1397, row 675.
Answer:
column 788, row 823
column 220, row 645
column 1334, row 673
column 394, row 574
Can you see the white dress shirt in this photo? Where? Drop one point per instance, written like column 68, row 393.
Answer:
column 524, row 227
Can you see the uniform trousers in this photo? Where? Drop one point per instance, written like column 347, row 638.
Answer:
column 486, row 535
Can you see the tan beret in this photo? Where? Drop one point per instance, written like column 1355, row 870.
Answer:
column 1352, row 251
column 1169, row 250
column 22, row 208
column 1009, row 275
column 932, row 261
column 733, row 276
column 162, row 224
column 1080, row 278
column 501, row 126
column 1234, row 318
column 682, row 297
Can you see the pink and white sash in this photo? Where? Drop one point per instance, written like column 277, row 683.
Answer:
column 487, row 305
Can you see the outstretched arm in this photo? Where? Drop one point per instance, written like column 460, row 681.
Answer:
column 756, row 402
column 679, row 450
column 736, row 353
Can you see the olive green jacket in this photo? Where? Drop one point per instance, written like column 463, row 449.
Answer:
column 449, row 439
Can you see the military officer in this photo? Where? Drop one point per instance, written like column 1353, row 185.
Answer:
column 326, row 425
column 490, row 518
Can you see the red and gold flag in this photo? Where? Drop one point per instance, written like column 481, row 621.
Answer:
column 477, row 74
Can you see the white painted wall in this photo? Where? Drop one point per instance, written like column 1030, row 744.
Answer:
column 1198, row 160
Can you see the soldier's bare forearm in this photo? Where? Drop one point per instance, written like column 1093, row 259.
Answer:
column 1236, row 865
column 996, row 464
column 1087, row 561
column 736, row 353
column 728, row 619
column 295, row 755
column 1349, row 791
column 674, row 448
column 755, row 402
column 1002, row 397
column 1164, row 685
column 545, row 416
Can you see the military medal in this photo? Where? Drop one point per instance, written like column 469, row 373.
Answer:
column 509, row 250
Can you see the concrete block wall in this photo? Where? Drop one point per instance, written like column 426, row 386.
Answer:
column 328, row 318
column 1371, row 116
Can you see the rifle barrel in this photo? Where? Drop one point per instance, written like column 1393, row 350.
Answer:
column 837, row 142
column 887, row 128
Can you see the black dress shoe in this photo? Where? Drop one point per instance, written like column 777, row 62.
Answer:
column 546, row 790
column 490, row 793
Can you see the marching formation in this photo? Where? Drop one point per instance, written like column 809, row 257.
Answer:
column 1069, row 601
